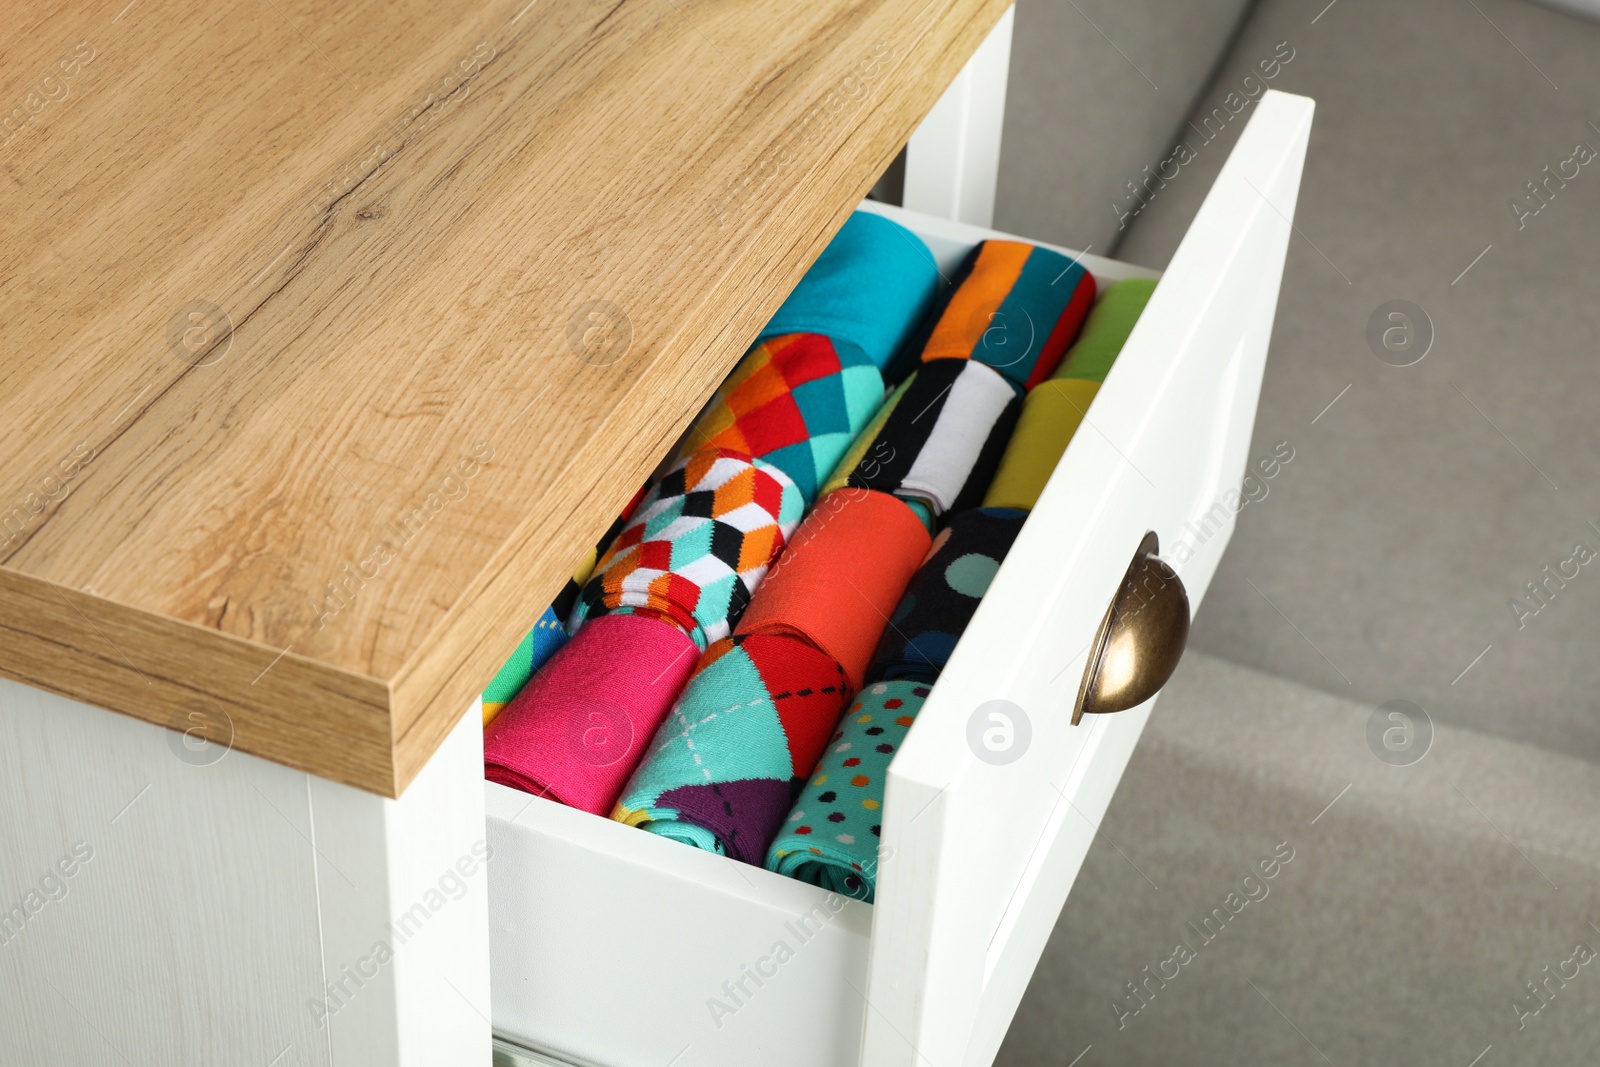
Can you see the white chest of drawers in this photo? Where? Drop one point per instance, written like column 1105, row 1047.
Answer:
column 619, row 948
column 169, row 902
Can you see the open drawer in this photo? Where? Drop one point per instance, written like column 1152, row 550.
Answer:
column 618, row 948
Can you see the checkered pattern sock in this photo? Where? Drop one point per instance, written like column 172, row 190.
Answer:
column 697, row 547
column 795, row 402
column 871, row 287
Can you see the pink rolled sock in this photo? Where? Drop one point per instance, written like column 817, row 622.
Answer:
column 581, row 725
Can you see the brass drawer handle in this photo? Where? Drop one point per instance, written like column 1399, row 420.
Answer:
column 1141, row 638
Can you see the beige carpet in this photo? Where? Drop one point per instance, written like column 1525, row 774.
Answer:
column 1413, row 911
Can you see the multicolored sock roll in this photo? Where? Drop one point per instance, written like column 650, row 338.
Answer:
column 938, row 439
column 699, row 544
column 943, row 594
column 815, row 374
column 872, row 285
column 549, row 631
column 721, row 770
column 1055, row 408
column 796, row 402
column 726, row 764
column 830, row 838
column 1016, row 309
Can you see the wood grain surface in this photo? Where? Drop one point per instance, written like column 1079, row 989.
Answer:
column 333, row 334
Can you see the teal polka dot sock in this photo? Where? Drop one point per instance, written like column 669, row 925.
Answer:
column 831, row 836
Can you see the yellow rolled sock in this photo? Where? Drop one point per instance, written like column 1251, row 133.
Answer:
column 1051, row 414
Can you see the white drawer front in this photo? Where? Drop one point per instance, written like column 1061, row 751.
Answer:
column 984, row 854
column 613, row 947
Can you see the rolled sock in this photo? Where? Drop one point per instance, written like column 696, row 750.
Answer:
column 1051, row 414
column 698, row 546
column 1054, row 409
column 795, row 402
column 830, row 837
column 1108, row 328
column 943, row 594
column 870, row 288
column 1016, row 309
column 939, row 439
column 841, row 576
column 723, row 768
column 579, row 728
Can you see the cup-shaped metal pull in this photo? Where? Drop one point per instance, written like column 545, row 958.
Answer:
column 1141, row 638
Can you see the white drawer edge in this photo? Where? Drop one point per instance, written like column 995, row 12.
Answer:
column 665, row 857
column 983, row 855
column 509, row 1054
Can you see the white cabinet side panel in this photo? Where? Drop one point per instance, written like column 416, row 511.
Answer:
column 405, row 914
column 159, row 897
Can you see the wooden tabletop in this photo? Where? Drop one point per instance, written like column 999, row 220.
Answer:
column 333, row 334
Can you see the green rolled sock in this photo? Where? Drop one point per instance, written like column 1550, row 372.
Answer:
column 1110, row 322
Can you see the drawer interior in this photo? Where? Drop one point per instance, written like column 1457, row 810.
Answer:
column 614, row 946
column 729, row 918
